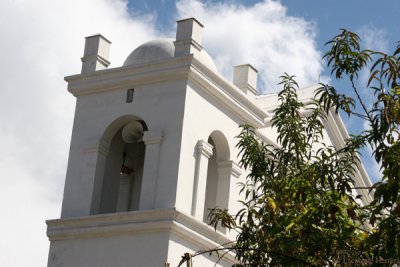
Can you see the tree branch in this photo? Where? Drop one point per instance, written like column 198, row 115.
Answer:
column 360, row 100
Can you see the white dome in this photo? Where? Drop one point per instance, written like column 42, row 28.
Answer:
column 162, row 49
column 151, row 51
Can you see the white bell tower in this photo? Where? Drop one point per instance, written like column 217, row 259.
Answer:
column 152, row 149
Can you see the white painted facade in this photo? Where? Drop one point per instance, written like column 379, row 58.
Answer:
column 154, row 210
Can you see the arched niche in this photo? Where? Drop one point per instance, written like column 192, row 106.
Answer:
column 218, row 177
column 119, row 169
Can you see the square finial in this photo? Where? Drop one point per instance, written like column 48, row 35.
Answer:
column 96, row 54
column 245, row 77
column 188, row 37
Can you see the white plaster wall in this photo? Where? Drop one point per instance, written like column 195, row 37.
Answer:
column 179, row 246
column 159, row 105
column 203, row 115
column 268, row 135
column 147, row 249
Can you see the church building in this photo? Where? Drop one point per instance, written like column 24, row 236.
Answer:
column 153, row 148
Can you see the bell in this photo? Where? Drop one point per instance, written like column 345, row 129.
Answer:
column 125, row 170
column 132, row 132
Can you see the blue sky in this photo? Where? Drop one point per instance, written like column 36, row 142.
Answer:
column 329, row 16
column 43, row 40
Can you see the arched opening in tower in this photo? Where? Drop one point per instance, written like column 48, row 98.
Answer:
column 218, row 176
column 123, row 170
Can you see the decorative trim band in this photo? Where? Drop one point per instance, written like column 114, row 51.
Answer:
column 204, row 148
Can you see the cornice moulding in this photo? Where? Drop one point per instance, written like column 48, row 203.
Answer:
column 187, row 67
column 227, row 94
column 129, row 76
column 135, row 223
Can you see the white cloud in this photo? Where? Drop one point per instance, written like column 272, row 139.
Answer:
column 42, row 41
column 262, row 35
column 375, row 39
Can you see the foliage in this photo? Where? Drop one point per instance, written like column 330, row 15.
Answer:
column 299, row 207
column 383, row 118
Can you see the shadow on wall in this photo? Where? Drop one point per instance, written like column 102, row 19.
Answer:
column 218, row 178
column 119, row 169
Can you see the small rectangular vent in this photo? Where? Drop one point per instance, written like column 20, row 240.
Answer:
column 129, row 95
